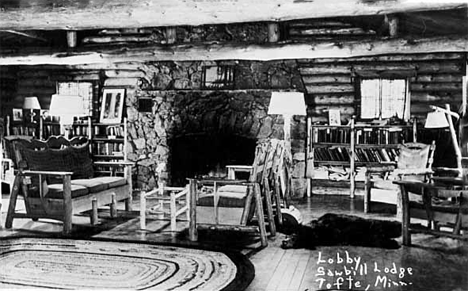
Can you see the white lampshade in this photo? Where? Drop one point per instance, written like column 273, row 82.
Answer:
column 436, row 119
column 67, row 107
column 31, row 103
column 287, row 103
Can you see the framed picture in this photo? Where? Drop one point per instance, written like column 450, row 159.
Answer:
column 17, row 114
column 334, row 117
column 112, row 105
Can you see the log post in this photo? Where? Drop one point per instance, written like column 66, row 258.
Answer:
column 392, row 23
column 193, row 233
column 273, row 32
column 171, row 35
column 71, row 38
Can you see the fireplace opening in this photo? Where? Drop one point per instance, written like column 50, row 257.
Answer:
column 199, row 155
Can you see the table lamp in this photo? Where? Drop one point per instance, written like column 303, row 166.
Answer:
column 31, row 103
column 442, row 118
column 66, row 107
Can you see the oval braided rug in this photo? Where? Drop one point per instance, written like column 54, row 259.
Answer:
column 85, row 264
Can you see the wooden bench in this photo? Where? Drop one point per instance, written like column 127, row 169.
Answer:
column 59, row 182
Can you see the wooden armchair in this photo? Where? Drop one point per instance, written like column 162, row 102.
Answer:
column 444, row 209
column 414, row 164
column 226, row 204
column 57, row 181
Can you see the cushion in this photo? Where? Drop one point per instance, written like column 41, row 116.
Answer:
column 233, row 188
column 226, row 199
column 93, row 185
column 56, row 191
column 111, row 182
column 413, row 156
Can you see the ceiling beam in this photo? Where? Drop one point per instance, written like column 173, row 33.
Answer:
column 229, row 51
column 81, row 15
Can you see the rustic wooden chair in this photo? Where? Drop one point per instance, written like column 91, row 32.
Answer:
column 414, row 164
column 444, row 209
column 221, row 204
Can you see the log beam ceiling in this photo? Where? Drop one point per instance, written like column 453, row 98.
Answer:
column 98, row 14
column 229, row 51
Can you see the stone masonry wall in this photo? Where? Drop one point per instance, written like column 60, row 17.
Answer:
column 180, row 107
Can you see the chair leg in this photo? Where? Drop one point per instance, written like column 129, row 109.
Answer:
column 142, row 211
column 94, row 212
column 173, row 209
column 113, row 206
column 12, row 204
column 405, row 222
column 271, row 219
column 260, row 214
column 367, row 195
column 193, row 233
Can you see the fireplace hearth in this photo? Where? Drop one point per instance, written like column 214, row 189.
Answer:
column 201, row 155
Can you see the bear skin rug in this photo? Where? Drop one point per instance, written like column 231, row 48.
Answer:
column 343, row 230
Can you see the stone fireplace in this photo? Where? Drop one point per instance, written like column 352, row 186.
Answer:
column 190, row 132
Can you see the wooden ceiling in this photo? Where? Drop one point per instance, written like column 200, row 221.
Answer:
column 40, row 27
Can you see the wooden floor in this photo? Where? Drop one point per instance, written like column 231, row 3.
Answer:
column 435, row 263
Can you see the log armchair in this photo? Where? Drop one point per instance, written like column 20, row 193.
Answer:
column 227, row 204
column 414, row 164
column 57, row 181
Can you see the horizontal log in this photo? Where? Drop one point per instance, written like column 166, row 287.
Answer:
column 424, row 97
column 323, row 110
column 330, row 31
column 325, row 69
column 328, row 88
column 124, row 74
column 330, row 99
column 437, row 78
column 73, row 15
column 113, row 39
column 311, row 79
column 434, row 87
column 264, row 52
column 389, row 58
column 131, row 82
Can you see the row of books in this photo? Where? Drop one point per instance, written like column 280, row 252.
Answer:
column 332, row 135
column 387, row 135
column 392, row 135
column 376, row 155
column 338, row 173
column 110, row 130
column 365, row 155
column 24, row 130
column 108, row 148
column 332, row 154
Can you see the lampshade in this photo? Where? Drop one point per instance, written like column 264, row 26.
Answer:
column 31, row 103
column 436, row 119
column 67, row 107
column 287, row 103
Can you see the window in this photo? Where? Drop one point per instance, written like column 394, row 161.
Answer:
column 218, row 77
column 384, row 98
column 83, row 89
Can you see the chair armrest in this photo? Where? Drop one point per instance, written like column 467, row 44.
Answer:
column 113, row 164
column 413, row 171
column 380, row 169
column 52, row 173
column 449, row 180
column 415, row 184
column 224, row 181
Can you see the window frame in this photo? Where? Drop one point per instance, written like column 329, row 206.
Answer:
column 407, row 105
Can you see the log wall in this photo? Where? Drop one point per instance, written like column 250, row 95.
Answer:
column 436, row 79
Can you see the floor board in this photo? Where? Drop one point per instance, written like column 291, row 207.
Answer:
column 437, row 263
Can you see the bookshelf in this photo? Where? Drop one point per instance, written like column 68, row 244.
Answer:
column 339, row 154
column 109, row 144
